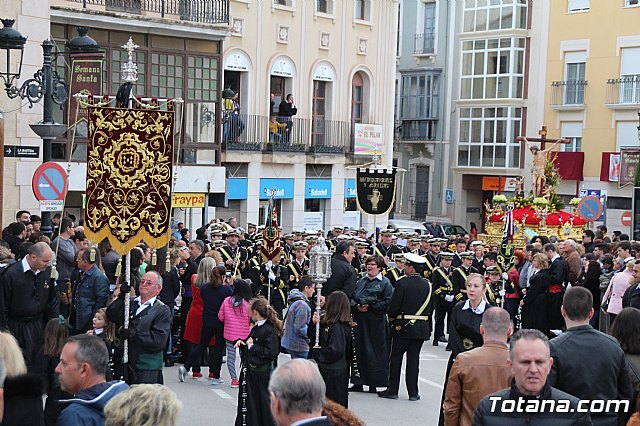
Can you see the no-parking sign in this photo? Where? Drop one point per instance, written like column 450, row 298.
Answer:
column 50, row 182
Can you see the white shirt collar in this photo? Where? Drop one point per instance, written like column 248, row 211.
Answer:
column 149, row 302
column 478, row 310
column 259, row 323
column 26, row 267
column 554, row 257
column 305, row 421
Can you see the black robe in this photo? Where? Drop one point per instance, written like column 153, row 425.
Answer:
column 332, row 358
column 257, row 365
column 534, row 308
column 370, row 365
column 27, row 302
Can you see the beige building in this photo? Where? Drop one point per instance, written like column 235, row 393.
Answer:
column 335, row 57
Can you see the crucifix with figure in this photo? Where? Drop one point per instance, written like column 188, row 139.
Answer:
column 540, row 157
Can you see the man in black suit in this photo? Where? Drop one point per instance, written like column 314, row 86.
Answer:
column 297, row 392
column 410, row 310
column 559, row 271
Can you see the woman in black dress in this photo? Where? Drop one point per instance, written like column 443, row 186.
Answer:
column 464, row 331
column 534, row 302
column 335, row 344
column 370, row 303
column 259, row 353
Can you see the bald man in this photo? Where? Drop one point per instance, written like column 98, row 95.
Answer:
column 28, row 299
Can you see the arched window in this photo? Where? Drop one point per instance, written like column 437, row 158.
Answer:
column 357, row 98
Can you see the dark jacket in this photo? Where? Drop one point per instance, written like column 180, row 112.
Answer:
column 559, row 270
column 91, row 293
column 23, row 400
column 534, row 308
column 590, row 365
column 265, row 348
column 410, row 294
column 170, row 287
column 87, row 407
column 631, row 297
column 343, row 277
column 212, row 298
column 484, row 416
column 286, row 109
column 149, row 332
column 23, row 294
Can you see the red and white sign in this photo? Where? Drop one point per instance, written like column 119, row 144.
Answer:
column 50, row 182
column 625, row 219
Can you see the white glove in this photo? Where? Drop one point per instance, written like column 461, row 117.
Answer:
column 449, row 298
column 505, row 276
column 502, row 293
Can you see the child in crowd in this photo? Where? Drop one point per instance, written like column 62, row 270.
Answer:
column 105, row 330
column 55, row 335
column 335, row 345
column 259, row 353
column 275, row 130
column 235, row 315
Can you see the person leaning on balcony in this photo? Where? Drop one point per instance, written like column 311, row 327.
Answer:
column 287, row 109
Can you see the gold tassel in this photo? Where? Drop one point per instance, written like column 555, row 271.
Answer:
column 154, row 259
column 118, row 269
column 54, row 271
column 92, row 255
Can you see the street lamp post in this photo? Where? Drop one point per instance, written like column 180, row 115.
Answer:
column 46, row 85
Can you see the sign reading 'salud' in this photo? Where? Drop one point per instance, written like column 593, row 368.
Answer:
column 376, row 190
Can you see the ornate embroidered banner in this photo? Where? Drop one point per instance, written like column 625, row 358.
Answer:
column 129, row 157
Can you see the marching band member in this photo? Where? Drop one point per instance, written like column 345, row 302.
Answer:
column 386, row 248
column 298, row 267
column 432, row 257
column 444, row 295
column 396, row 272
column 459, row 276
column 234, row 256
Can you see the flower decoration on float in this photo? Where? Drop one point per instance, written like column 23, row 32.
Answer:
column 500, row 198
column 575, row 201
column 540, row 201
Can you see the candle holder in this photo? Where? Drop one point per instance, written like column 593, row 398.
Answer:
column 319, row 271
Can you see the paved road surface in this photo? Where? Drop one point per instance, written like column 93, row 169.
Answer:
column 204, row 404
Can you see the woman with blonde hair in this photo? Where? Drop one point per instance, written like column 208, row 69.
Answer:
column 22, row 392
column 193, row 327
column 143, row 405
column 11, row 355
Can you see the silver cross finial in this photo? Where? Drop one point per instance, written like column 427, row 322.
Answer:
column 129, row 68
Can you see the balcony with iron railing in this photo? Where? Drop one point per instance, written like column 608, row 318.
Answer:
column 200, row 11
column 568, row 94
column 417, row 130
column 623, row 92
column 425, row 44
column 247, row 132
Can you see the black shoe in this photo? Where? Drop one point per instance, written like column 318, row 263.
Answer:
column 435, row 342
column 387, row 395
column 442, row 339
column 356, row 388
column 169, row 363
column 372, row 390
column 414, row 398
column 448, row 348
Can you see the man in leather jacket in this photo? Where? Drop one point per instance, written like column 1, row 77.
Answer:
column 587, row 363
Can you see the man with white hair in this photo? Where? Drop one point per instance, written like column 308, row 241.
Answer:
column 297, row 393
column 573, row 260
column 148, row 328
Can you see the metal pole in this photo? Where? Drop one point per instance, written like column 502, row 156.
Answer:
column 318, row 295
column 47, row 118
column 127, row 297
